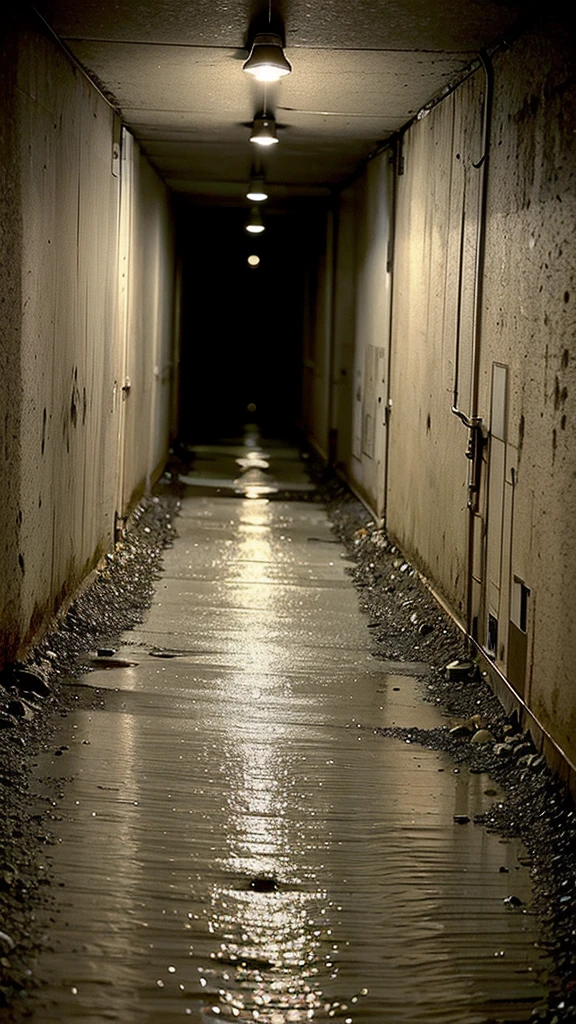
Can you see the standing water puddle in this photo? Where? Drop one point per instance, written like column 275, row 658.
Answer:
column 237, row 844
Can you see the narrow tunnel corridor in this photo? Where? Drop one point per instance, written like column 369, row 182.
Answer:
column 235, row 840
column 266, row 802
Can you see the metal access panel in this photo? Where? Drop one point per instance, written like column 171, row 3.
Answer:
column 372, row 408
column 518, row 635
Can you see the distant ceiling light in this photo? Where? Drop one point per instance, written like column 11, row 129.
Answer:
column 257, row 192
column 255, row 224
column 267, row 60
column 253, row 261
column 264, row 131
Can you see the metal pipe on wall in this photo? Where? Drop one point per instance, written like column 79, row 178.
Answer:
column 472, row 421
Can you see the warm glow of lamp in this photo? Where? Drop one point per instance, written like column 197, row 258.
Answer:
column 264, row 131
column 255, row 225
column 267, row 61
column 257, row 192
column 253, row 260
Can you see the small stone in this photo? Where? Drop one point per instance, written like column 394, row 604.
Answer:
column 462, row 729
column 522, row 750
column 459, row 670
column 110, row 663
column 20, row 710
column 513, row 901
column 503, row 750
column 106, row 652
column 7, row 943
column 264, row 884
column 426, row 628
column 503, row 870
column 483, row 736
column 31, row 680
column 461, row 819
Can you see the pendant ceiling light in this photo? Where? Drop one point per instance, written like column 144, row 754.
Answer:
column 257, row 191
column 264, row 131
column 267, row 61
column 255, row 225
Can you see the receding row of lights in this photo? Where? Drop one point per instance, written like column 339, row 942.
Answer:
column 267, row 63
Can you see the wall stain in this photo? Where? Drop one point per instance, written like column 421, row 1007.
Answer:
column 43, row 430
column 74, row 401
column 521, row 430
column 560, row 394
column 528, row 110
column 21, row 563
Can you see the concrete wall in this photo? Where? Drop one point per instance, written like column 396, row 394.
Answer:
column 373, row 265
column 525, row 528
column 344, row 334
column 529, row 327
column 147, row 253
column 434, row 267
column 63, row 432
column 10, row 305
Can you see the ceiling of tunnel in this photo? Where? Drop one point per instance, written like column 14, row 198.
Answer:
column 360, row 72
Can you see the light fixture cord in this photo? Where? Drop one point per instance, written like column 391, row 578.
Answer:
column 270, row 12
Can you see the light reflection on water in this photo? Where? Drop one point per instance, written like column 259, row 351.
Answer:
column 236, row 841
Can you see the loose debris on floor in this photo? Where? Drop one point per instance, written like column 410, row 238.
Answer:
column 407, row 625
column 32, row 699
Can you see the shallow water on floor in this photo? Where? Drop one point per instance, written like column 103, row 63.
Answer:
column 236, row 843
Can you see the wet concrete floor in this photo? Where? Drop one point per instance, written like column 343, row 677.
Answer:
column 235, row 842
